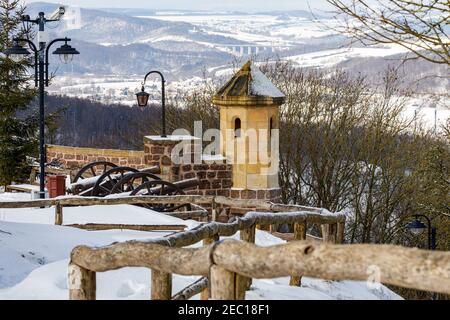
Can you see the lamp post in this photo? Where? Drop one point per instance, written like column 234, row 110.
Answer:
column 417, row 227
column 41, row 75
column 142, row 99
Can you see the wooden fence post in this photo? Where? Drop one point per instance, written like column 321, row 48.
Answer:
column 329, row 232
column 58, row 214
column 161, row 285
column 247, row 235
column 214, row 210
column 299, row 235
column 82, row 283
column 223, row 284
column 340, row 229
column 205, row 294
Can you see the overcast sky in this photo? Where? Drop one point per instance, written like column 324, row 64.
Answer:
column 242, row 5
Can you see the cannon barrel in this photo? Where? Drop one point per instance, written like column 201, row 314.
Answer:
column 183, row 184
column 154, row 170
column 83, row 187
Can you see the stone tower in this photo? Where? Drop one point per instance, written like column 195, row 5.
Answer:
column 249, row 118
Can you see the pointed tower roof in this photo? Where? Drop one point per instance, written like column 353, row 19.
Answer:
column 249, row 87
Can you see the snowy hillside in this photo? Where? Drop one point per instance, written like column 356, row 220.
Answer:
column 34, row 257
column 185, row 43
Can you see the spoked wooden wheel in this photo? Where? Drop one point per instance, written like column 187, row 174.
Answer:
column 132, row 181
column 109, row 179
column 160, row 188
column 94, row 169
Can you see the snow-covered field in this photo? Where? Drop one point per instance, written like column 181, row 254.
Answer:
column 263, row 29
column 329, row 58
column 34, row 257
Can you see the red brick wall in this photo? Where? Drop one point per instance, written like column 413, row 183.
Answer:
column 75, row 158
column 215, row 178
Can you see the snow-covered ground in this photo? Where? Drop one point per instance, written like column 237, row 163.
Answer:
column 34, row 257
column 328, row 58
column 264, row 29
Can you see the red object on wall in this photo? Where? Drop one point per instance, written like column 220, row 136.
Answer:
column 56, row 185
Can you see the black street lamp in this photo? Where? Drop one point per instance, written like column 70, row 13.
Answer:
column 142, row 99
column 417, row 227
column 41, row 75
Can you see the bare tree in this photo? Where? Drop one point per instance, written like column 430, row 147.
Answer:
column 421, row 26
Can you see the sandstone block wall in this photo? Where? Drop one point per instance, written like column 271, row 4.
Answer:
column 75, row 158
column 215, row 177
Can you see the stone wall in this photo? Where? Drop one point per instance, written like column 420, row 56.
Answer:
column 215, row 177
column 158, row 153
column 214, row 174
column 273, row 195
column 75, row 158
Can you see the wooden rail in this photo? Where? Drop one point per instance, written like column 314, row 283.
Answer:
column 226, row 261
column 59, row 203
column 192, row 290
column 98, row 201
column 86, row 261
column 322, row 215
column 155, row 254
column 137, row 227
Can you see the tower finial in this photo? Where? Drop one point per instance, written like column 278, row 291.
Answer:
column 247, row 66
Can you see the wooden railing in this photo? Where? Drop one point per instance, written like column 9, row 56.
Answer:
column 332, row 229
column 166, row 256
column 227, row 267
column 196, row 201
column 60, row 203
column 168, row 253
column 231, row 264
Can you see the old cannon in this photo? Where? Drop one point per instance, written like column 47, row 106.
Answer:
column 102, row 178
column 99, row 178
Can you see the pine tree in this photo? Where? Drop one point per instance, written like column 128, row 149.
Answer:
column 17, row 133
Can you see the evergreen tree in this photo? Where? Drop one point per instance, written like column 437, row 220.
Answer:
column 17, row 133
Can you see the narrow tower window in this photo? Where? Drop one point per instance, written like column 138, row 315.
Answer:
column 237, row 128
column 269, row 142
column 270, row 126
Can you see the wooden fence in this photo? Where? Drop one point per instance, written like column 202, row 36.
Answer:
column 82, row 275
column 166, row 256
column 227, row 267
column 60, row 203
column 196, row 202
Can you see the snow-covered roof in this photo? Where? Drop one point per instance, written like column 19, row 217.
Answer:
column 260, row 85
column 251, row 86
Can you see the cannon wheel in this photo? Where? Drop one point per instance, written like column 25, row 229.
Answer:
column 108, row 180
column 160, row 188
column 132, row 181
column 93, row 169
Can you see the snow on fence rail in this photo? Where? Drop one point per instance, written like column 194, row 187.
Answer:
column 60, row 202
column 165, row 256
column 231, row 264
column 195, row 200
column 83, row 268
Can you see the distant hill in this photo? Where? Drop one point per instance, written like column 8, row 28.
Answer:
column 119, row 43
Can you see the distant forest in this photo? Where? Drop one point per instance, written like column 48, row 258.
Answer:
column 84, row 123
